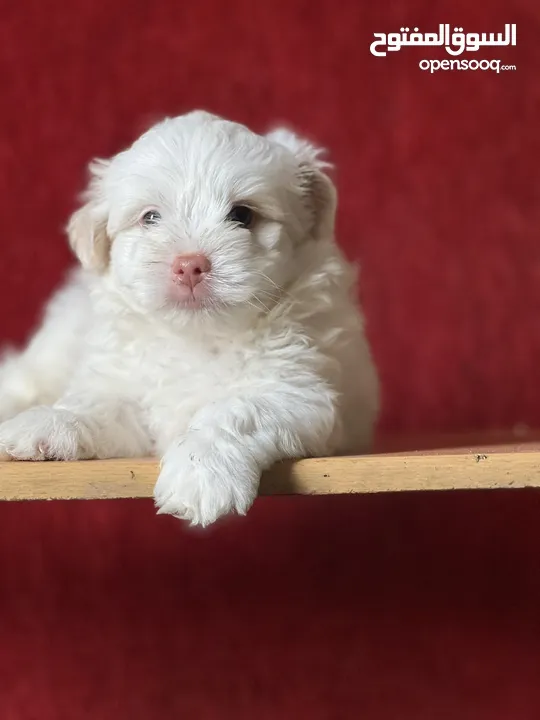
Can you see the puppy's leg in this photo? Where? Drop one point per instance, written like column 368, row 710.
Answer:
column 215, row 467
column 76, row 428
column 40, row 373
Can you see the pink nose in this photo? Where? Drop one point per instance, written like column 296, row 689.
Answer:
column 190, row 269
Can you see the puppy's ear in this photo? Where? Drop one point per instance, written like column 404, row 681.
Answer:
column 317, row 188
column 87, row 227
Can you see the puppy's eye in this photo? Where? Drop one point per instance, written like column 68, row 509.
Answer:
column 242, row 215
column 152, row 217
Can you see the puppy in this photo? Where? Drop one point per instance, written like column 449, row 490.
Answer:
column 214, row 321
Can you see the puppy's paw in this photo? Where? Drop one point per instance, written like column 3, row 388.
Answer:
column 44, row 433
column 206, row 477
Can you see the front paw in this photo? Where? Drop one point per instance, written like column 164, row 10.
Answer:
column 44, row 433
column 206, row 477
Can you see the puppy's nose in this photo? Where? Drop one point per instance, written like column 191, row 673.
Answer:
column 190, row 269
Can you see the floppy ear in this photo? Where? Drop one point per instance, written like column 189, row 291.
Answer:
column 87, row 227
column 317, row 188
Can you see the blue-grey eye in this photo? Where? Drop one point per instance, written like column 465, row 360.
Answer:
column 152, row 217
column 242, row 215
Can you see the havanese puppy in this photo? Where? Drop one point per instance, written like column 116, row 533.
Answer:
column 214, row 321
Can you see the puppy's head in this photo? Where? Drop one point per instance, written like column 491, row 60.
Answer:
column 201, row 213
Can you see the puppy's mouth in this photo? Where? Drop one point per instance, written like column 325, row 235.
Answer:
column 195, row 298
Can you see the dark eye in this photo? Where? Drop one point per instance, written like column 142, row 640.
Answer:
column 152, row 217
column 242, row 215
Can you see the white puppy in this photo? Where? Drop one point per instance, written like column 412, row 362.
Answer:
column 214, row 320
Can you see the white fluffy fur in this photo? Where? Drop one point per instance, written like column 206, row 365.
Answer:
column 274, row 364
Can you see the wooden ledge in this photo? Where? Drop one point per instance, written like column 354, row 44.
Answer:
column 454, row 466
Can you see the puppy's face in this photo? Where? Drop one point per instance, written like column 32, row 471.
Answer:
column 201, row 214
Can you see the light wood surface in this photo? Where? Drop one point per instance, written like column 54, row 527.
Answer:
column 491, row 465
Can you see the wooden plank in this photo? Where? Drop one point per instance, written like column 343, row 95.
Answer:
column 487, row 466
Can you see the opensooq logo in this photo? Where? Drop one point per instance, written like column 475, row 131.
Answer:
column 455, row 43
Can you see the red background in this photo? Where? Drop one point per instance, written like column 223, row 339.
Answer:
column 383, row 607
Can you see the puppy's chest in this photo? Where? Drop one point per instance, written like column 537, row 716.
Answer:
column 171, row 365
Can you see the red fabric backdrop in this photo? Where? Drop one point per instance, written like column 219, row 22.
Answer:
column 384, row 607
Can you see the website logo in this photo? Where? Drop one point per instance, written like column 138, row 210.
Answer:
column 455, row 43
